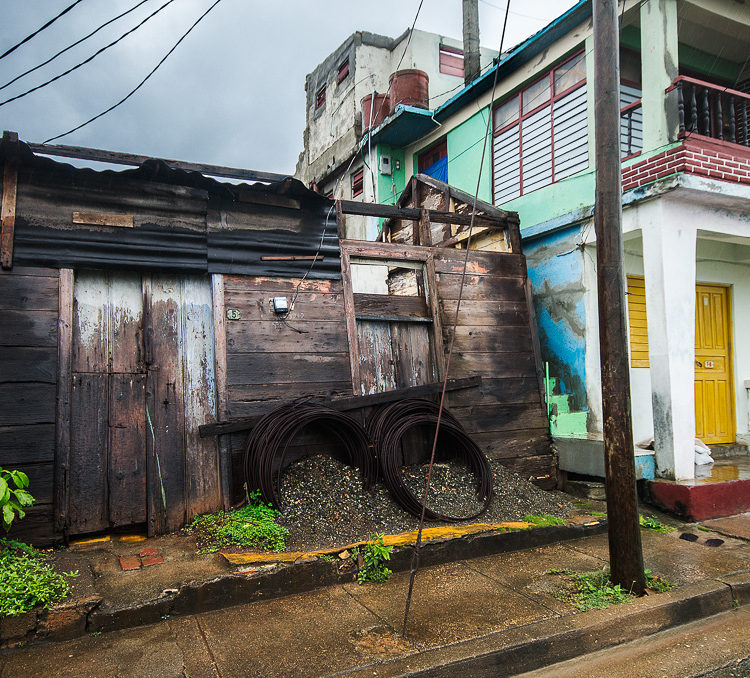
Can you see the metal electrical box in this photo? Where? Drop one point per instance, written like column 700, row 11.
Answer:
column 385, row 165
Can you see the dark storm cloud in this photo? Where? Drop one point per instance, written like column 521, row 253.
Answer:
column 231, row 94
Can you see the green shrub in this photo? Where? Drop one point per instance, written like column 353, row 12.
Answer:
column 13, row 501
column 374, row 554
column 251, row 526
column 27, row 580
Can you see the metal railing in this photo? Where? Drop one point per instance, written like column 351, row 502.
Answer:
column 711, row 110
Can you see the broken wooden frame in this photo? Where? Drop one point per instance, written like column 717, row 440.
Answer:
column 428, row 203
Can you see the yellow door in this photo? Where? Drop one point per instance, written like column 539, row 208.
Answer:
column 714, row 392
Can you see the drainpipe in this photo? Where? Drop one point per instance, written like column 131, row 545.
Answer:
column 471, row 40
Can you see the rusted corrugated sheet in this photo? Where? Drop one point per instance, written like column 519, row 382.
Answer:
column 171, row 228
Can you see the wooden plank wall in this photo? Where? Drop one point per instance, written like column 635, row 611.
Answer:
column 28, row 376
column 493, row 339
column 269, row 360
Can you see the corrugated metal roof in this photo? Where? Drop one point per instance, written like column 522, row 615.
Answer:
column 291, row 221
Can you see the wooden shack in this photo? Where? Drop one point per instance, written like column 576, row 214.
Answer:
column 138, row 305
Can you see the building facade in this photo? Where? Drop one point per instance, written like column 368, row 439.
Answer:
column 350, row 93
column 686, row 209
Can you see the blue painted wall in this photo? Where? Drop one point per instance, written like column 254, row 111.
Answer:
column 555, row 267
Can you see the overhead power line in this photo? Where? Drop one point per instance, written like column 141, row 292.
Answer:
column 38, row 30
column 91, row 58
column 75, row 44
column 141, row 83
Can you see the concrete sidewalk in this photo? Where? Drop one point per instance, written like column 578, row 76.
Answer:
column 491, row 615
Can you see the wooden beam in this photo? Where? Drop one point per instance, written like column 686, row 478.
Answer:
column 350, row 318
column 63, row 406
column 385, row 305
column 369, row 209
column 353, row 403
column 101, row 219
column 424, row 228
column 8, row 208
column 116, row 158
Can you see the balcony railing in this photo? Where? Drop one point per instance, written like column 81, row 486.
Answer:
column 711, row 110
column 631, row 129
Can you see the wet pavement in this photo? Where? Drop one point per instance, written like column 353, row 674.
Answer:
column 462, row 612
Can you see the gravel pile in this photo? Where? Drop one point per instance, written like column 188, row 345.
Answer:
column 324, row 504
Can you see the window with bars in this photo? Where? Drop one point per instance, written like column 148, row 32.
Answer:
column 320, row 98
column 358, row 182
column 343, row 71
column 541, row 133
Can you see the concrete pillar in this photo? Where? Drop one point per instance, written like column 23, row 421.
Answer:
column 669, row 268
column 659, row 68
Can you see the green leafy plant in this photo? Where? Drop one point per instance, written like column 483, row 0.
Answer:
column 326, row 558
column 13, row 501
column 651, row 523
column 543, row 520
column 703, row 528
column 582, row 504
column 27, row 580
column 594, row 591
column 374, row 555
column 251, row 526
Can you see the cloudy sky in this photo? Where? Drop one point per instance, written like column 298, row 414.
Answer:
column 231, row 94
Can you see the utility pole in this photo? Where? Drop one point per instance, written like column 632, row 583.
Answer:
column 625, row 551
column 471, row 40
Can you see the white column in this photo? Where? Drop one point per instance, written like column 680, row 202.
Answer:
column 659, row 67
column 669, row 266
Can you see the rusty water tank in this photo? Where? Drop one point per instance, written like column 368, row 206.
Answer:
column 410, row 87
column 379, row 111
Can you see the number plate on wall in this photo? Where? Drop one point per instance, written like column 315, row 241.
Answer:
column 234, row 314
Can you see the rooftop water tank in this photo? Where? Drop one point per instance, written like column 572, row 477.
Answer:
column 410, row 87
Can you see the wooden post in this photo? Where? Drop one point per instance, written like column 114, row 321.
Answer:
column 8, row 209
column 220, row 376
column 625, row 551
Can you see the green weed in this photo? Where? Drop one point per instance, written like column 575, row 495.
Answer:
column 594, row 591
column 543, row 520
column 252, row 526
column 656, row 583
column 27, row 580
column 374, row 555
column 703, row 528
column 651, row 523
column 582, row 504
column 598, row 514
column 326, row 558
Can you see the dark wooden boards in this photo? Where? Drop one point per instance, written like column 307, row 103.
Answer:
column 28, row 369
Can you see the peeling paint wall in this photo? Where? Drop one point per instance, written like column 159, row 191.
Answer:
column 555, row 267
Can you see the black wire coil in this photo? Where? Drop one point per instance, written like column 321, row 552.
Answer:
column 266, row 445
column 387, row 427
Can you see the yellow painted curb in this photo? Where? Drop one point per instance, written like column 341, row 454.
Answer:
column 402, row 539
column 88, row 542
column 132, row 537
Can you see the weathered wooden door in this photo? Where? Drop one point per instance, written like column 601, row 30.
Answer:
column 714, row 402
column 142, row 383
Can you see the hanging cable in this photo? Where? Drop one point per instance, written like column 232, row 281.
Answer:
column 71, row 46
column 417, row 546
column 85, row 61
column 141, row 83
column 39, row 30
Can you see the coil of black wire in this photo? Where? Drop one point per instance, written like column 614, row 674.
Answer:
column 388, row 427
column 267, row 444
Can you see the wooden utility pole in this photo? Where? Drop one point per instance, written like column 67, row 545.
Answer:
column 625, row 551
column 471, row 40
